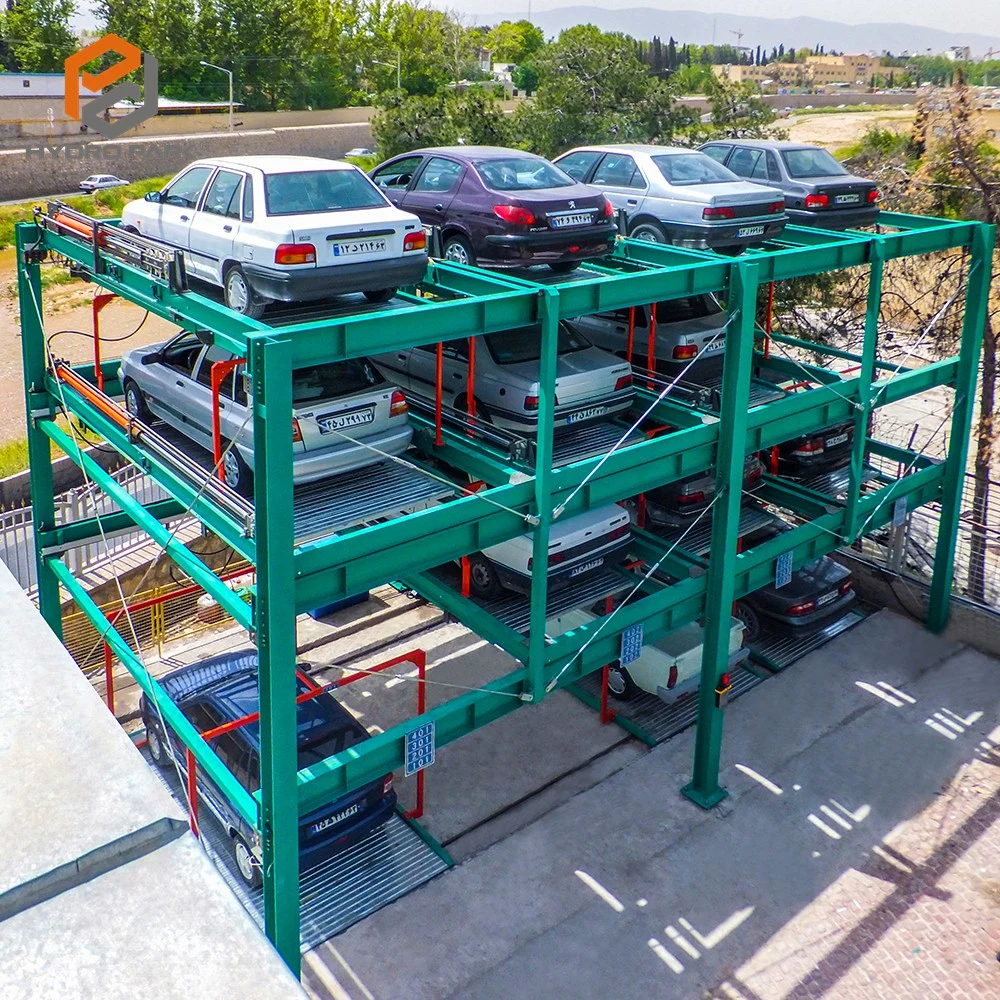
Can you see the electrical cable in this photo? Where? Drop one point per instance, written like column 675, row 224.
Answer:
column 90, row 336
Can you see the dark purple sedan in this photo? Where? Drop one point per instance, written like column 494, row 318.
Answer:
column 501, row 207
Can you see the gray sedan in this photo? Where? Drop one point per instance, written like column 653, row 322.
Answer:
column 679, row 196
column 591, row 384
column 338, row 409
column 818, row 190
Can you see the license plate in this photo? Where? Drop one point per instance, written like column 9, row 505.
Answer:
column 586, row 567
column 834, row 441
column 358, row 248
column 716, row 345
column 826, row 598
column 341, row 420
column 562, row 221
column 588, row 414
column 325, row 824
column 750, row 231
column 847, row 199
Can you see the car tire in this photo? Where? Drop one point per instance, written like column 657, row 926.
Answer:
column 458, row 250
column 750, row 619
column 236, row 474
column 648, row 232
column 620, row 683
column 239, row 296
column 484, row 580
column 246, row 864
column 130, row 229
column 482, row 411
column 135, row 401
column 157, row 749
column 565, row 266
column 380, row 294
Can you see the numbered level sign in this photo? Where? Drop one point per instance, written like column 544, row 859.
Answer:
column 783, row 571
column 899, row 513
column 419, row 748
column 631, row 644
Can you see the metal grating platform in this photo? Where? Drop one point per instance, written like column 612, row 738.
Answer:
column 578, row 443
column 778, row 650
column 699, row 539
column 655, row 719
column 330, row 505
column 760, row 391
column 339, row 891
column 836, row 483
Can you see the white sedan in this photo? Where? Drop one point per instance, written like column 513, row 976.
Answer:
column 285, row 228
column 96, row 182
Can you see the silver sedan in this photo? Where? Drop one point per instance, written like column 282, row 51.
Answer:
column 679, row 196
column 339, row 409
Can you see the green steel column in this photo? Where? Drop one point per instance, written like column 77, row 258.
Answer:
column 977, row 293
column 43, row 510
column 270, row 362
column 704, row 789
column 548, row 309
column 865, row 377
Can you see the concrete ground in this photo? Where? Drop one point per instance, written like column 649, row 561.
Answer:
column 854, row 856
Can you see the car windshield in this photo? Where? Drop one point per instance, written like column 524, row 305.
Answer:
column 522, row 173
column 693, row 168
column 811, row 163
column 689, row 307
column 309, row 191
column 510, row 347
column 339, row 378
column 94, row 177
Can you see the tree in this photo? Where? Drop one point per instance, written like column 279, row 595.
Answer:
column 38, row 34
column 739, row 110
column 514, row 41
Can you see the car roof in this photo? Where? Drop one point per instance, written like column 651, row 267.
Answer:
column 278, row 164
column 764, row 143
column 478, row 152
column 635, row 147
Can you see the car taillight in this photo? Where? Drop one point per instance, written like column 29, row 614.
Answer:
column 873, row 196
column 295, row 253
column 684, row 352
column 514, row 214
column 554, row 559
column 754, row 474
column 296, row 431
column 696, row 497
column 609, row 209
column 398, row 405
column 672, row 676
column 817, row 201
column 775, row 207
column 620, row 532
column 718, row 213
column 623, row 382
column 531, row 402
column 387, row 784
column 415, row 241
column 846, row 587
column 813, row 447
column 802, row 609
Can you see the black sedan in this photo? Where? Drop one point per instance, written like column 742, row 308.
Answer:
column 817, row 595
column 676, row 505
column 816, row 454
column 818, row 190
column 500, row 207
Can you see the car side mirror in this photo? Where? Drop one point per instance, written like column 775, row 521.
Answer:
column 153, row 196
column 151, row 359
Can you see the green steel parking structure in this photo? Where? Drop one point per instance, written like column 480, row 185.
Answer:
column 296, row 574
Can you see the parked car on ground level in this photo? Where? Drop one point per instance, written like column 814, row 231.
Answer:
column 285, row 228
column 676, row 505
column 818, row 190
column 578, row 547
column 679, row 196
column 667, row 668
column 500, row 207
column 224, row 689
column 360, row 151
column 591, row 384
column 818, row 594
column 97, row 182
column 338, row 409
column 816, row 454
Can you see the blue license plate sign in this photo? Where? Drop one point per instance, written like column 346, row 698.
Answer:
column 419, row 748
column 631, row 644
column 899, row 513
column 783, row 571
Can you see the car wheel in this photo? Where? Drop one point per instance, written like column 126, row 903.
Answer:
column 730, row 251
column 239, row 296
column 620, row 683
column 458, row 250
column 135, row 402
column 483, row 578
column 483, row 415
column 380, row 294
column 154, row 742
column 648, row 232
column 750, row 619
column 565, row 266
column 130, row 229
column 246, row 864
column 236, row 473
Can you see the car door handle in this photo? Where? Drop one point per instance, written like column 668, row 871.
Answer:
column 227, row 229
column 184, row 218
column 633, row 201
column 222, row 405
column 439, row 207
column 457, row 375
column 401, row 357
column 179, row 383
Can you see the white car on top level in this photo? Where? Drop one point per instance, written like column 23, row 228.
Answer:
column 285, row 228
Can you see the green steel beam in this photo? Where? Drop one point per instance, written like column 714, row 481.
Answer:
column 794, row 496
column 240, row 798
column 704, row 788
column 977, row 292
column 906, row 457
column 833, row 352
column 678, row 564
column 90, row 530
column 38, row 410
column 271, row 370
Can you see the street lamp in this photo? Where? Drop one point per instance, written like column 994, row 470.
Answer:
column 399, row 67
column 228, row 73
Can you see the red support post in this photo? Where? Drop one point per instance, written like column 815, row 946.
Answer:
column 767, row 321
column 631, row 334
column 774, row 460
column 466, row 576
column 100, row 301
column 109, row 679
column 651, row 348
column 607, row 714
column 192, row 789
column 640, row 514
column 438, row 392
column 220, row 369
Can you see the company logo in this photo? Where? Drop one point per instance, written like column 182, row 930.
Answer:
column 96, row 114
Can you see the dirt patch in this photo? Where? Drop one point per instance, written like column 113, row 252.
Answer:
column 836, row 130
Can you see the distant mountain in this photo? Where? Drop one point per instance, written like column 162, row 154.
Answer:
column 700, row 28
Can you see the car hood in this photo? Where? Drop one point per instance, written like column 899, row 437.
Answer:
column 740, row 193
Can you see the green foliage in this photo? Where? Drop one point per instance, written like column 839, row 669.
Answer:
column 694, row 79
column 513, row 41
column 38, row 35
column 738, row 110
